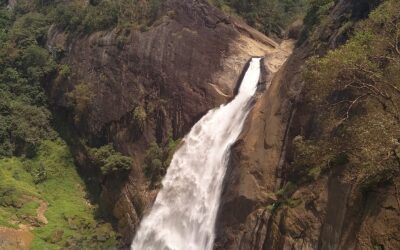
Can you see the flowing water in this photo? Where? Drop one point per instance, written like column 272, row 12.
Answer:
column 184, row 212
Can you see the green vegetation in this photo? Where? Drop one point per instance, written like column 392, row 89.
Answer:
column 355, row 93
column 271, row 17
column 105, row 14
column 139, row 117
column 24, row 119
column 283, row 196
column 157, row 160
column 68, row 210
column 80, row 98
column 318, row 11
column 109, row 160
column 64, row 71
column 36, row 168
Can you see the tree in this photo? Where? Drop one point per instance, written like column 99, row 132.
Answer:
column 80, row 99
column 355, row 94
column 139, row 117
column 109, row 160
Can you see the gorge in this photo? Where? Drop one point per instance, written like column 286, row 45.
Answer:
column 184, row 212
column 141, row 124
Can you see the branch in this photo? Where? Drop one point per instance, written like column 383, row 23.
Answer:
column 354, row 102
column 395, row 88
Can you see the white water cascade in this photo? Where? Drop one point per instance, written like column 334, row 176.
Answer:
column 184, row 213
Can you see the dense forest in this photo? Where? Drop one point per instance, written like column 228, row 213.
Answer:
column 36, row 166
column 356, row 92
column 271, row 17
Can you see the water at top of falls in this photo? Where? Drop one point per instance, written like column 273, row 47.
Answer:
column 184, row 213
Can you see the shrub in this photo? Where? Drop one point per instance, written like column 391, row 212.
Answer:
column 69, row 16
column 153, row 163
column 64, row 70
column 116, row 162
column 39, row 174
column 100, row 17
column 317, row 11
column 139, row 117
column 109, row 160
column 80, row 99
column 37, row 63
column 29, row 29
column 158, row 159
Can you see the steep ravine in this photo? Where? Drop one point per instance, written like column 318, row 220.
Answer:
column 185, row 64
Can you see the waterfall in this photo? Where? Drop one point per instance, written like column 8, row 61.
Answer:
column 184, row 213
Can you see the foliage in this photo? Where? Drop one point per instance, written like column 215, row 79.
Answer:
column 35, row 166
column 283, row 197
column 80, row 99
column 154, row 169
column 24, row 65
column 64, row 71
column 109, row 160
column 105, row 14
column 317, row 11
column 100, row 17
column 139, row 117
column 355, row 93
column 29, row 29
column 158, row 159
column 63, row 190
column 68, row 17
column 269, row 16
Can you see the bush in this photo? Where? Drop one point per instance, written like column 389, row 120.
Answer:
column 37, row 63
column 109, row 160
column 158, row 159
column 139, row 117
column 116, row 162
column 317, row 10
column 100, row 17
column 154, row 168
column 64, row 70
column 80, row 99
column 39, row 174
column 68, row 17
column 29, row 29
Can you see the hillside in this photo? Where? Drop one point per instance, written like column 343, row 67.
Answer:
column 320, row 155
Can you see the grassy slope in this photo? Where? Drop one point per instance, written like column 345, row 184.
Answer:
column 68, row 210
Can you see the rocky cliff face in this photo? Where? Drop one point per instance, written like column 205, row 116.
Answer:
column 188, row 62
column 328, row 213
column 253, row 175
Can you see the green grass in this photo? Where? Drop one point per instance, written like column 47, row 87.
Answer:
column 28, row 209
column 64, row 191
column 4, row 219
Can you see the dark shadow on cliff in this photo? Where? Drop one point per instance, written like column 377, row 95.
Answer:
column 91, row 175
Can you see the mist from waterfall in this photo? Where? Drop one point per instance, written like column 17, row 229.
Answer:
column 184, row 213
